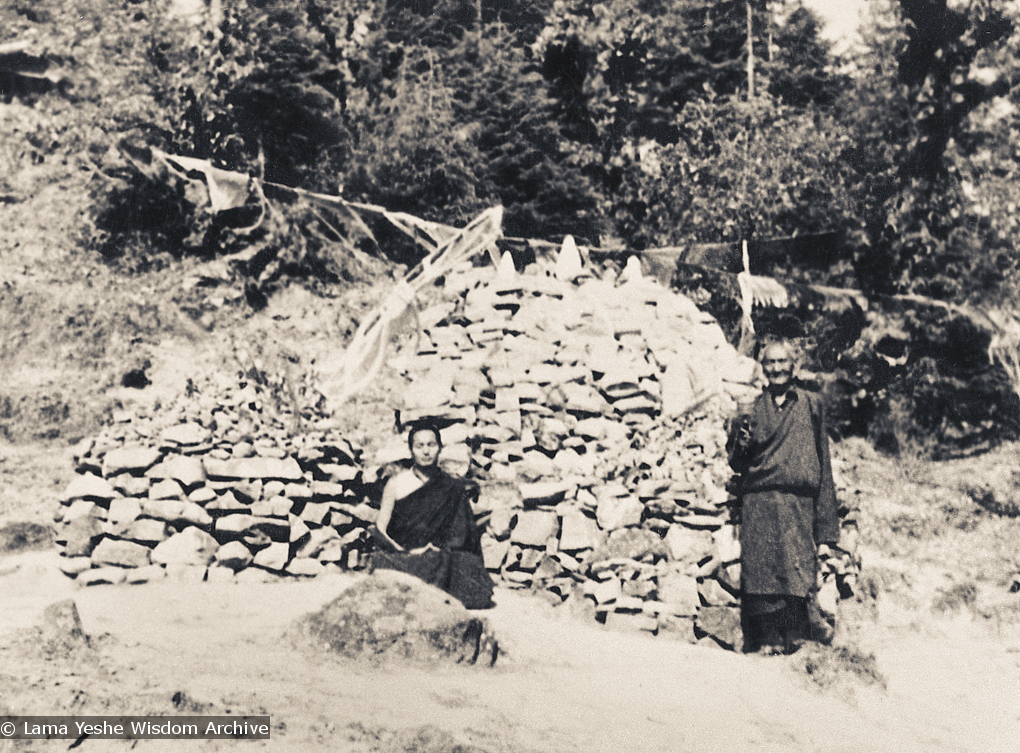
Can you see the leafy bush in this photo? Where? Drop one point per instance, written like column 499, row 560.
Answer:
column 919, row 381
column 147, row 213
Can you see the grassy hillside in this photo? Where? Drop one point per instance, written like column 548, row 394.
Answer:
column 81, row 335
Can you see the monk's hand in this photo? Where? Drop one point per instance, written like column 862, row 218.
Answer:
column 430, row 547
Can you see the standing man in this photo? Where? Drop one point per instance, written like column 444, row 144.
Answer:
column 779, row 446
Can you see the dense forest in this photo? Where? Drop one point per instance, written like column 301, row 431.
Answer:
column 626, row 122
column 629, row 124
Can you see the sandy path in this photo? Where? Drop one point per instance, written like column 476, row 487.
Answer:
column 564, row 685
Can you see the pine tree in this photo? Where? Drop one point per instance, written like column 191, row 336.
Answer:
column 798, row 62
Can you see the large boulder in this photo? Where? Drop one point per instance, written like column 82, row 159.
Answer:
column 393, row 615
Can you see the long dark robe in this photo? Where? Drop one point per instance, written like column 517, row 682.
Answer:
column 788, row 498
column 439, row 513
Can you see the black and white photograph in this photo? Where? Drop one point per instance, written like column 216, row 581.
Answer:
column 510, row 376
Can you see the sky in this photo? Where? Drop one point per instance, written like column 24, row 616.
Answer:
column 841, row 16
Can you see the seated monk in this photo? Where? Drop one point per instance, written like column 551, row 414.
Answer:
column 426, row 526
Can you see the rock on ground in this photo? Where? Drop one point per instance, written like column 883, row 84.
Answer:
column 394, row 615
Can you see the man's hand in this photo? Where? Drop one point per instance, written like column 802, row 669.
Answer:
column 848, row 538
column 745, row 404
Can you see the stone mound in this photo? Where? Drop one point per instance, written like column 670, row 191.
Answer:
column 391, row 615
column 591, row 412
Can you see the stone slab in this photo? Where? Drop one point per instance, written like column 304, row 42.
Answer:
column 102, row 575
column 127, row 459
column 120, row 554
column 543, row 492
column 723, row 624
column 186, row 573
column 74, row 565
column 631, row 622
column 687, row 545
column 273, row 557
column 191, row 546
column 680, row 593
column 677, row 628
column 185, row 434
column 83, row 508
column 147, row 574
column 534, row 527
column 618, row 512
column 166, row 489
column 715, row 595
column 605, row 591
column 727, row 544
column 186, row 469
column 305, row 567
column 315, row 512
column 284, row 469
column 123, row 511
column 147, row 531
column 494, row 552
column 578, row 531
column 233, row 555
column 88, row 486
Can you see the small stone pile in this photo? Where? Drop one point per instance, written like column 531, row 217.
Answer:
column 593, row 410
column 215, row 488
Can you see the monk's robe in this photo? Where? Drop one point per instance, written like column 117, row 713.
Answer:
column 439, row 513
column 788, row 498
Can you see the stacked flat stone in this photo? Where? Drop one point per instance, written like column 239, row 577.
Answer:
column 212, row 488
column 840, row 567
column 593, row 410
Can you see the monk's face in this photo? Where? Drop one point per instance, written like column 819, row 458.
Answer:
column 425, row 448
column 778, row 366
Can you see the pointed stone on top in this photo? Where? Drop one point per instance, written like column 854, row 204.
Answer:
column 506, row 279
column 632, row 272
column 568, row 263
